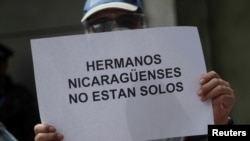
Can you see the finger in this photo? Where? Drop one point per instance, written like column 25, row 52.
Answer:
column 43, row 128
column 48, row 137
column 217, row 91
column 206, row 87
column 208, row 76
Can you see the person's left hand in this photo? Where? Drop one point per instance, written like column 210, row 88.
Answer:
column 46, row 132
column 221, row 94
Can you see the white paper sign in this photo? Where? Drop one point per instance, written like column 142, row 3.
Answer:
column 122, row 86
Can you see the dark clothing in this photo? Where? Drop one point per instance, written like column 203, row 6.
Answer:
column 18, row 110
column 198, row 138
column 5, row 135
column 190, row 138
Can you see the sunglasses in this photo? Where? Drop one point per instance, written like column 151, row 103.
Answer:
column 112, row 22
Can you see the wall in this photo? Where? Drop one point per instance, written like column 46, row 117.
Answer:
column 230, row 39
column 224, row 27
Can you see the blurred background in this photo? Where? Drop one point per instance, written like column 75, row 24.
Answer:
column 224, row 28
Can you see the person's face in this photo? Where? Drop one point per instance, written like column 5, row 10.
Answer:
column 113, row 19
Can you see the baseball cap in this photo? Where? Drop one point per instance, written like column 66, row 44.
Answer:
column 93, row 6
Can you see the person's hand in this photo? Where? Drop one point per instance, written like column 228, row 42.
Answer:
column 222, row 95
column 45, row 132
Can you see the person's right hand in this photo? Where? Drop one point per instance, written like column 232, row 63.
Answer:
column 45, row 132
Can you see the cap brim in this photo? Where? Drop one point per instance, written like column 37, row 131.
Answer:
column 119, row 5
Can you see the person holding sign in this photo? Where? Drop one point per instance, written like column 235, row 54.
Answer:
column 112, row 15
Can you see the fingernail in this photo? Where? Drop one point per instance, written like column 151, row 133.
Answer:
column 202, row 81
column 60, row 136
column 200, row 92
